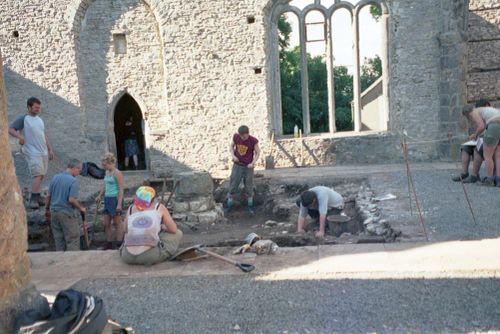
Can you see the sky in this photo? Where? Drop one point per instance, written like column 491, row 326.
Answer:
column 369, row 30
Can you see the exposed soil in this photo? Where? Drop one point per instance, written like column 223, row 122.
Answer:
column 275, row 218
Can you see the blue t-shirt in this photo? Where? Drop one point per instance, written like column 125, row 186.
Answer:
column 61, row 188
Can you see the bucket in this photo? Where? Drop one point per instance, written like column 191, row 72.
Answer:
column 337, row 224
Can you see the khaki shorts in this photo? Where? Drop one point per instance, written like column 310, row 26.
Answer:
column 37, row 165
column 492, row 134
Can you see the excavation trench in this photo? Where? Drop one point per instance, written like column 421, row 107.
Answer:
column 275, row 218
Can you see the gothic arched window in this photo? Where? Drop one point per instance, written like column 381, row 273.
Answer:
column 330, row 66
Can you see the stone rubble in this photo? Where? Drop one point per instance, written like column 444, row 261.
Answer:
column 370, row 214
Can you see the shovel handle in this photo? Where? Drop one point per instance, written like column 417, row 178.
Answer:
column 245, row 267
column 85, row 231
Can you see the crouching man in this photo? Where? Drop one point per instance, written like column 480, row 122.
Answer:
column 64, row 209
column 318, row 203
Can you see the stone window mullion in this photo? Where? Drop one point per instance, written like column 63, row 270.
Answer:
column 304, row 77
column 356, row 71
column 278, row 116
column 330, row 75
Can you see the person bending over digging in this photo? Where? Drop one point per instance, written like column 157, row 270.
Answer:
column 487, row 118
column 469, row 153
column 245, row 153
column 113, row 201
column 63, row 208
column 151, row 235
column 318, row 203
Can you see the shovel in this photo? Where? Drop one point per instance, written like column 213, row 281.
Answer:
column 192, row 253
column 85, row 231
column 245, row 267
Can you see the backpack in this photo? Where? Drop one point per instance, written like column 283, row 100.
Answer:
column 73, row 312
column 91, row 169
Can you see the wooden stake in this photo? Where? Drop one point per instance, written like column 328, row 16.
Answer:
column 301, row 148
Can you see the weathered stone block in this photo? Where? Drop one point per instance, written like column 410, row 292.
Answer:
column 208, row 217
column 192, row 217
column 282, row 210
column 193, row 184
column 178, row 206
column 201, row 204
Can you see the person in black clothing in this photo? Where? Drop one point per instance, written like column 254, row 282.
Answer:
column 131, row 145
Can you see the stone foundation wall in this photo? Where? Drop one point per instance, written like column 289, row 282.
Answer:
column 484, row 56
column 191, row 65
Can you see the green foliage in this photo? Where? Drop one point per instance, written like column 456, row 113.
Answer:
column 376, row 12
column 343, row 98
column 284, row 29
column 291, row 89
column 318, row 94
column 371, row 70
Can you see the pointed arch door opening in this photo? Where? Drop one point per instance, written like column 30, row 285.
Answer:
column 129, row 134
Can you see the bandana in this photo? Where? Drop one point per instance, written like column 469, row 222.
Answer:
column 143, row 197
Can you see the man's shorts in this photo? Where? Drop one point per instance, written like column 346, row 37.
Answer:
column 37, row 165
column 480, row 151
column 468, row 149
column 492, row 134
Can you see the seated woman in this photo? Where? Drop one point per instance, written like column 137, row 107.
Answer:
column 151, row 235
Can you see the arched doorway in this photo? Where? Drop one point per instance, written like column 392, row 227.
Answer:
column 129, row 134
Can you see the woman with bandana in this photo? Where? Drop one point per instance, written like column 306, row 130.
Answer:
column 151, row 235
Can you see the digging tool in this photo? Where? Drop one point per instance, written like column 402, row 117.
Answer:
column 192, row 227
column 97, row 206
column 189, row 254
column 85, row 231
column 245, row 267
column 199, row 251
column 163, row 189
column 171, row 194
column 269, row 162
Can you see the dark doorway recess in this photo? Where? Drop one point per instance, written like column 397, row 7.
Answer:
column 129, row 125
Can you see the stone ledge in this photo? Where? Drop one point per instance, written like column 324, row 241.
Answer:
column 57, row 270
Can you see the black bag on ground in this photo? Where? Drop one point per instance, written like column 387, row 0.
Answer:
column 72, row 312
column 91, row 169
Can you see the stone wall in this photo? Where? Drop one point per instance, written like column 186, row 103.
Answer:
column 484, row 56
column 191, row 67
column 16, row 292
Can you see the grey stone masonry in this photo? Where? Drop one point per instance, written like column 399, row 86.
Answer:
column 483, row 55
column 199, row 69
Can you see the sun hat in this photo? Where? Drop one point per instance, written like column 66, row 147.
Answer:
column 143, row 197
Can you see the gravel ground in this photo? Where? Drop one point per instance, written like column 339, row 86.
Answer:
column 223, row 304
column 446, row 212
